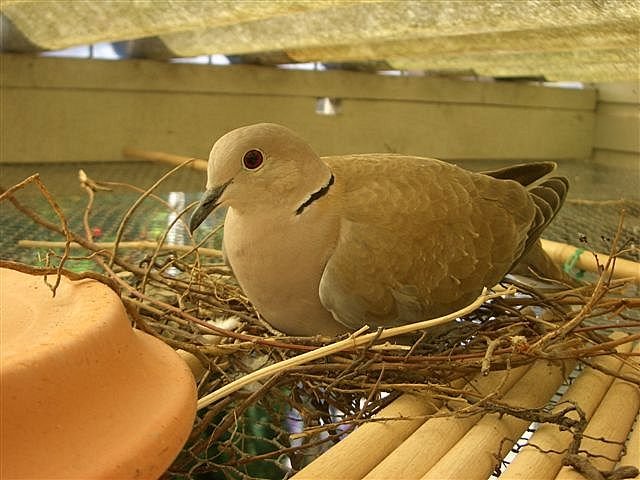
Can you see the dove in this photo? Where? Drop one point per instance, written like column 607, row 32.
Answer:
column 326, row 245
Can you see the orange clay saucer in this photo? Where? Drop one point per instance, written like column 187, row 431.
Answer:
column 83, row 395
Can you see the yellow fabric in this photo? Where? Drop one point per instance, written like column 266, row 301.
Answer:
column 582, row 40
column 57, row 24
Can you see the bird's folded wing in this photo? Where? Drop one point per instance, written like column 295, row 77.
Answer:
column 419, row 239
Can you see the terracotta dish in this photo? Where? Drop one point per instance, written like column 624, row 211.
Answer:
column 83, row 394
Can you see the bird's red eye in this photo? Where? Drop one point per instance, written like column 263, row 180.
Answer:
column 252, row 159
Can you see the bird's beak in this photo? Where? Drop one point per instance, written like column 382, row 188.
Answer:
column 208, row 204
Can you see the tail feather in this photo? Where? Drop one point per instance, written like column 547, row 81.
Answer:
column 554, row 190
column 525, row 174
column 548, row 197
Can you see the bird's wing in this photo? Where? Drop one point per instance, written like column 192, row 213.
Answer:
column 418, row 238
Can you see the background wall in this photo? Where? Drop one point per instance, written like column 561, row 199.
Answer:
column 56, row 110
column 617, row 134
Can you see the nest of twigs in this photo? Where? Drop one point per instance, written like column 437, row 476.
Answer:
column 269, row 404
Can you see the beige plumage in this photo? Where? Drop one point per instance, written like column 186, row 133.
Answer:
column 326, row 245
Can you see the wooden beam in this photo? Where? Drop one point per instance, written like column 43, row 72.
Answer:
column 20, row 71
column 61, row 110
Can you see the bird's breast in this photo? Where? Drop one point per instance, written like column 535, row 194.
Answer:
column 279, row 261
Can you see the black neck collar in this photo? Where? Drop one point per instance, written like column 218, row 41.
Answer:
column 316, row 195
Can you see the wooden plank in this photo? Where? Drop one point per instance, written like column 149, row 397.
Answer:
column 418, row 453
column 474, row 456
column 370, row 443
column 632, row 446
column 462, row 132
column 562, row 253
column 168, row 158
column 586, row 391
column 41, row 124
column 611, row 157
column 612, row 421
column 152, row 76
column 618, row 127
column 619, row 92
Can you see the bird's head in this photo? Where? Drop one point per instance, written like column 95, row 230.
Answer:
column 262, row 166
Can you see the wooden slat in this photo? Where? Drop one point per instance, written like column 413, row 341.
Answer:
column 418, row 453
column 20, row 71
column 587, row 392
column 619, row 92
column 612, row 157
column 560, row 253
column 610, row 404
column 618, row 127
column 168, row 158
column 612, row 421
column 42, row 124
column 632, row 455
column 617, row 130
column 364, row 448
column 474, row 456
